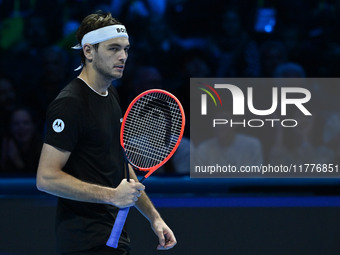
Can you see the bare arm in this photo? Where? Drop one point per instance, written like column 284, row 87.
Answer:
column 53, row 180
column 144, row 205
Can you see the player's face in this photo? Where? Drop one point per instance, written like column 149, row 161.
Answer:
column 111, row 56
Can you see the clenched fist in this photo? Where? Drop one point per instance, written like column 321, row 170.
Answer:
column 127, row 193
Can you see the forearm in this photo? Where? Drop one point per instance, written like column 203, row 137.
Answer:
column 144, row 204
column 146, row 208
column 64, row 185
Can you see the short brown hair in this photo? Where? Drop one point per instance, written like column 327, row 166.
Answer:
column 92, row 22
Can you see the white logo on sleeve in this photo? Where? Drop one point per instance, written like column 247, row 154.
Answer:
column 58, row 125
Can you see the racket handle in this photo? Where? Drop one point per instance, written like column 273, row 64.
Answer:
column 117, row 227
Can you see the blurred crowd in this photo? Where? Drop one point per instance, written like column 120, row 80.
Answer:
column 171, row 41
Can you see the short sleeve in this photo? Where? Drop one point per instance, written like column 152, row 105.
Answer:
column 63, row 123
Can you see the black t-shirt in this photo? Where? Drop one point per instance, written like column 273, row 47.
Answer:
column 87, row 124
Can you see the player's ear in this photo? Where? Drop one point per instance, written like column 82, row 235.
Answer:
column 88, row 51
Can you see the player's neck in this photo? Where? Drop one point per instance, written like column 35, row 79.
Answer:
column 98, row 84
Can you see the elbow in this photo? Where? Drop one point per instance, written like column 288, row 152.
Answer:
column 47, row 179
column 41, row 181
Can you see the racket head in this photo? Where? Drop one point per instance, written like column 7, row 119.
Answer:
column 152, row 129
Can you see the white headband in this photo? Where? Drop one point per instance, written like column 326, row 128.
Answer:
column 102, row 34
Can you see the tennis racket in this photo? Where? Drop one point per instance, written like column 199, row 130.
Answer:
column 151, row 131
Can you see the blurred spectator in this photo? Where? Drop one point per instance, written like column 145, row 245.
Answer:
column 142, row 78
column 146, row 77
column 272, row 54
column 7, row 96
column 8, row 101
column 192, row 18
column 157, row 45
column 139, row 8
column 36, row 35
column 181, row 159
column 195, row 64
column 54, row 74
column 179, row 163
column 11, row 32
column 16, row 8
column 291, row 37
column 289, row 70
column 22, row 145
column 229, row 146
column 331, row 134
column 320, row 50
column 25, row 57
column 237, row 53
column 302, row 144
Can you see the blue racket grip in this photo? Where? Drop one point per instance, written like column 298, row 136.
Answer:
column 118, row 227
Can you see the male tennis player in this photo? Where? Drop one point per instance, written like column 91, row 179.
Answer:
column 81, row 160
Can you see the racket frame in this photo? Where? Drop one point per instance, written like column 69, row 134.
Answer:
column 154, row 168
